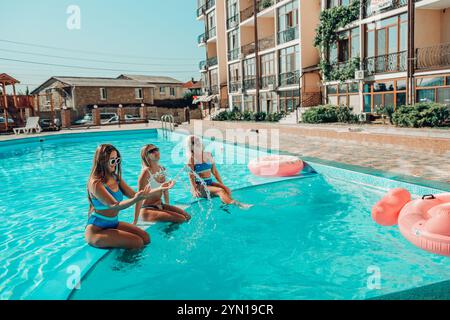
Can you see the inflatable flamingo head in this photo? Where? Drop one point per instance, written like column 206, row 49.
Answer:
column 386, row 211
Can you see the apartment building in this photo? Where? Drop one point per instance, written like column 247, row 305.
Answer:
column 399, row 50
column 259, row 55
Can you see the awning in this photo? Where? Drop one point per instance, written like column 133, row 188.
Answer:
column 199, row 99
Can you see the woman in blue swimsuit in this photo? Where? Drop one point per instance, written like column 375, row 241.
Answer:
column 202, row 163
column 106, row 192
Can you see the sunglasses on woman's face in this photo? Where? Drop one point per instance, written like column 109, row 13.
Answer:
column 114, row 162
column 153, row 150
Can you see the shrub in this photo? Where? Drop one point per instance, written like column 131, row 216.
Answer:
column 329, row 114
column 260, row 116
column 237, row 115
column 424, row 114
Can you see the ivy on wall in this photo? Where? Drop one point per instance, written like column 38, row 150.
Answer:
column 331, row 20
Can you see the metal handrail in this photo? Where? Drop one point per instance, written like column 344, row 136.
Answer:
column 168, row 121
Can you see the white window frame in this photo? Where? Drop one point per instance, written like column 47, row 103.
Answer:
column 103, row 94
column 172, row 90
column 139, row 93
column 162, row 90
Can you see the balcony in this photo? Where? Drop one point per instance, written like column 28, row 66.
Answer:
column 266, row 43
column 211, row 62
column 261, row 5
column 247, row 13
column 235, row 86
column 208, row 5
column 290, row 78
column 233, row 54
column 394, row 62
column 233, row 21
column 214, row 89
column 288, row 35
column 264, row 4
column 203, row 38
column 267, row 80
column 250, row 83
column 370, row 10
column 248, row 49
column 435, row 57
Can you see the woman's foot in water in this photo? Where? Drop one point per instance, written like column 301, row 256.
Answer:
column 243, row 206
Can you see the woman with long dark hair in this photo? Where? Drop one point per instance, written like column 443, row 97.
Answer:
column 106, row 193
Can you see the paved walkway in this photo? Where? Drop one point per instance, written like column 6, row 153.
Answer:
column 433, row 164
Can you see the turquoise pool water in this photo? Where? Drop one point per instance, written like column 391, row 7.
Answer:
column 43, row 210
column 304, row 238
column 310, row 238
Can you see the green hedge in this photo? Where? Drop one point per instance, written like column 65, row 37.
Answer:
column 237, row 115
column 424, row 114
column 329, row 114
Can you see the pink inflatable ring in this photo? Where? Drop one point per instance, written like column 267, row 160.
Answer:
column 276, row 166
column 424, row 222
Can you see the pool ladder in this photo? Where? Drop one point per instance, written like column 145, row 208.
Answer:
column 167, row 123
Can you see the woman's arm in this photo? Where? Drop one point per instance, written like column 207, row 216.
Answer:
column 127, row 190
column 194, row 188
column 99, row 191
column 142, row 182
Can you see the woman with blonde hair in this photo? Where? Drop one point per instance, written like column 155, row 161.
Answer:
column 152, row 176
column 202, row 163
column 106, row 192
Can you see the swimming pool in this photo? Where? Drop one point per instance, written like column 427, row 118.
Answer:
column 305, row 238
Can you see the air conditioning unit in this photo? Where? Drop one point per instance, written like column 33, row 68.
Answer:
column 360, row 74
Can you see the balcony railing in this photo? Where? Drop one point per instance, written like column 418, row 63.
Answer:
column 214, row 89
column 247, row 13
column 211, row 62
column 261, row 5
column 288, row 35
column 266, row 81
column 208, row 5
column 233, row 21
column 248, row 49
column 394, row 62
column 266, row 43
column 235, row 86
column 290, row 78
column 233, row 54
column 434, row 57
column 370, row 10
column 250, row 83
column 203, row 38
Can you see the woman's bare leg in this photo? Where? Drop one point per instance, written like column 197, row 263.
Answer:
column 135, row 230
column 112, row 238
column 149, row 215
column 222, row 194
column 170, row 208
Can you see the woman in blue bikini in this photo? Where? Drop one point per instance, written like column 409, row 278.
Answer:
column 152, row 176
column 106, row 192
column 202, row 163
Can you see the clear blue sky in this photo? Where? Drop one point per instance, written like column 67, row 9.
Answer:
column 162, row 34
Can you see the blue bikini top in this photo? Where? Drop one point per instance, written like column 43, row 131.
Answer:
column 202, row 167
column 118, row 196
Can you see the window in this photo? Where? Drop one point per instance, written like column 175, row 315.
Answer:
column 337, row 3
column 433, row 89
column 288, row 22
column 383, row 94
column 289, row 66
column 268, row 102
column 103, row 94
column 249, row 103
column 289, row 100
column 234, row 76
column 236, row 102
column 172, row 92
column 387, row 36
column 345, row 94
column 233, row 44
column 267, row 70
column 162, row 90
column 138, row 93
column 346, row 48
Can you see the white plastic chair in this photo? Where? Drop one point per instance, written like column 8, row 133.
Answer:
column 32, row 124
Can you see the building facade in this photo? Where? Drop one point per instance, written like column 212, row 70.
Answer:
column 400, row 53
column 259, row 55
column 82, row 93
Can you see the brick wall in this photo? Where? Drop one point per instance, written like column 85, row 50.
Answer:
column 91, row 95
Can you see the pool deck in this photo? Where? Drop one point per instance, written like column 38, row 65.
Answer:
column 418, row 153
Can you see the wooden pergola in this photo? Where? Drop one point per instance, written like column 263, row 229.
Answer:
column 7, row 80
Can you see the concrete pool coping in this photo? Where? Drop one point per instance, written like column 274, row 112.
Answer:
column 87, row 258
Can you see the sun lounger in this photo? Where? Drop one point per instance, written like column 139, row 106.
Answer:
column 32, row 124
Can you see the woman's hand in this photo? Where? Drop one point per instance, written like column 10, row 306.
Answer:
column 167, row 185
column 143, row 194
